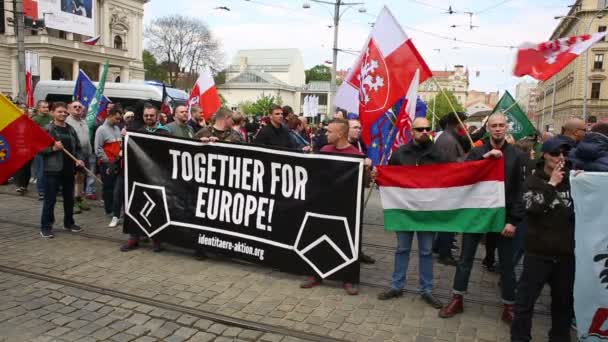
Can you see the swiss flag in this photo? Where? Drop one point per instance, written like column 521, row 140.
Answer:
column 382, row 74
column 546, row 59
column 204, row 94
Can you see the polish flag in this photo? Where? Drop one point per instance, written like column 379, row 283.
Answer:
column 204, row 94
column 382, row 74
column 546, row 59
column 92, row 41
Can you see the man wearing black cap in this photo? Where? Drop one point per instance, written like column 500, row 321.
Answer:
column 496, row 147
column 549, row 245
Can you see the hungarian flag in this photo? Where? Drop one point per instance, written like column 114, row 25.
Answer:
column 519, row 124
column 20, row 139
column 546, row 59
column 382, row 74
column 454, row 197
column 204, row 94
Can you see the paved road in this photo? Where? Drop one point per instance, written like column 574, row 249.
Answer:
column 217, row 286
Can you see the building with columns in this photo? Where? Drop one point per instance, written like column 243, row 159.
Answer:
column 561, row 96
column 58, row 55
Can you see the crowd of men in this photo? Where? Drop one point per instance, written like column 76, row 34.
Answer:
column 539, row 210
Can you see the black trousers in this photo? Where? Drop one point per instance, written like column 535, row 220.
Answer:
column 491, row 244
column 22, row 177
column 538, row 271
column 52, row 182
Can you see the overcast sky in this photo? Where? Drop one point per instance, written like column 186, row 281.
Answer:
column 285, row 24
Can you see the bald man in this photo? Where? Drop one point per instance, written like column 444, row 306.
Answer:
column 574, row 130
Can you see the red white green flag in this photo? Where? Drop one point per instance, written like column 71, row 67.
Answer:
column 464, row 197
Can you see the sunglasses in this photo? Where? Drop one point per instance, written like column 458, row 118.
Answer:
column 422, row 129
column 558, row 153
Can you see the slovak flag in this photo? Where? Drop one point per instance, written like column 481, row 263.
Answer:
column 546, row 59
column 92, row 41
column 204, row 94
column 382, row 74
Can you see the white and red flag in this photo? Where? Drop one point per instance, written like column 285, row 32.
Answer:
column 546, row 59
column 204, row 94
column 92, row 41
column 382, row 75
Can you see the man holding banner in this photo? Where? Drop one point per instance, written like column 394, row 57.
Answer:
column 496, row 147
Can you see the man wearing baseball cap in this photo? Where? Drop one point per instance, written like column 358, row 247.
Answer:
column 549, row 245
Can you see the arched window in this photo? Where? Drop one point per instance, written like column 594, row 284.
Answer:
column 118, row 42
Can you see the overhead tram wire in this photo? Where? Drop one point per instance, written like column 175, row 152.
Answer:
column 492, row 7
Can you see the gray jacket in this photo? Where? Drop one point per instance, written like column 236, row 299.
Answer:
column 53, row 160
column 82, row 130
column 448, row 148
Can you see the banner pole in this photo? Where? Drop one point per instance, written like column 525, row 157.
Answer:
column 453, row 109
column 84, row 167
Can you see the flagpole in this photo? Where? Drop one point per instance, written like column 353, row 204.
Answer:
column 453, row 109
column 71, row 156
column 553, row 100
column 433, row 111
column 372, row 185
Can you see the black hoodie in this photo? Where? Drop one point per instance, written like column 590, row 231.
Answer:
column 550, row 216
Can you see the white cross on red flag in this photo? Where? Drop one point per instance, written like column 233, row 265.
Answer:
column 546, row 59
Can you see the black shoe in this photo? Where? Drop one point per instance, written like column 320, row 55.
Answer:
column 73, row 228
column 448, row 261
column 47, row 234
column 389, row 294
column 366, row 259
column 41, row 196
column 431, row 300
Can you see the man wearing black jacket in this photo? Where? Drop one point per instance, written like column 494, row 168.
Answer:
column 274, row 134
column 496, row 147
column 419, row 151
column 549, row 245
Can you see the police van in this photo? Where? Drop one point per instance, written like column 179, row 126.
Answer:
column 127, row 94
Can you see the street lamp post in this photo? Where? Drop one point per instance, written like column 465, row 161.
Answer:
column 336, row 18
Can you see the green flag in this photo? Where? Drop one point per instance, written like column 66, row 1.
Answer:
column 519, row 125
column 96, row 101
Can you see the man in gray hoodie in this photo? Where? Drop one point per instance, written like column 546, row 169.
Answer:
column 108, row 144
column 76, row 119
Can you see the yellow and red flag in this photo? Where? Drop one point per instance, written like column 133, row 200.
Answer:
column 20, row 139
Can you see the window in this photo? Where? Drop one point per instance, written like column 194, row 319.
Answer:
column 598, row 62
column 118, row 42
column 602, row 29
column 595, row 90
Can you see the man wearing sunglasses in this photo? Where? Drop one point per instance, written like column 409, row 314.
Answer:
column 76, row 119
column 419, row 151
column 496, row 147
column 549, row 245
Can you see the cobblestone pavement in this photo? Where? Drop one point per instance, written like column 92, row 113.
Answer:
column 239, row 290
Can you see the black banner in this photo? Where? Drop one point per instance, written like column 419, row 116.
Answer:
column 300, row 213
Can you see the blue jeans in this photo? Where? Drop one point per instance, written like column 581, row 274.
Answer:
column 505, row 260
column 425, row 256
column 39, row 169
column 51, row 184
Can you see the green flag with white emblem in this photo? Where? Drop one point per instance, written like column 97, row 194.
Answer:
column 519, row 124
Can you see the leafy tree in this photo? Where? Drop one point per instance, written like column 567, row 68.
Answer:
column 154, row 71
column 442, row 106
column 318, row 73
column 183, row 42
column 261, row 106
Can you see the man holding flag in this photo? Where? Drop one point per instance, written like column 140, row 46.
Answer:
column 497, row 147
column 419, row 151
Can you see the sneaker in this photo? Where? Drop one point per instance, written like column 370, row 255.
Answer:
column 114, row 222
column 41, row 196
column 20, row 190
column 389, row 294
column 366, row 259
column 46, row 234
column 73, row 228
column 82, row 204
column 310, row 282
column 431, row 300
column 91, row 197
column 351, row 289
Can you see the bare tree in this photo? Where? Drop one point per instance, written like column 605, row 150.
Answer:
column 184, row 44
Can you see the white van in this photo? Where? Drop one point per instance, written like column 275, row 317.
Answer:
column 127, row 94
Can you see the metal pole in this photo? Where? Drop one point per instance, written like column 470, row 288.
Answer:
column 19, row 31
column 332, row 89
column 542, row 118
column 434, row 116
